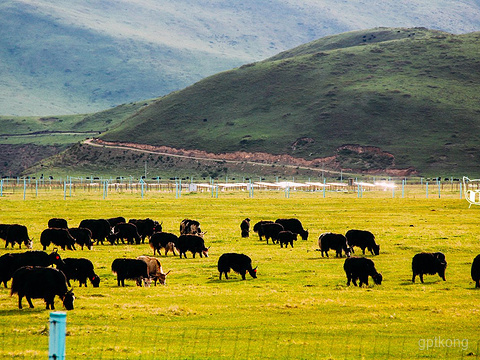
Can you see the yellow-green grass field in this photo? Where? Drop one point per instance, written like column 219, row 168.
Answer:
column 299, row 307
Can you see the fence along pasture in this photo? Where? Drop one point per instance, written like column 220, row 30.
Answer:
column 105, row 187
column 107, row 341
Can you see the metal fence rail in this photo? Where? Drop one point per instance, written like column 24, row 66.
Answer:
column 158, row 342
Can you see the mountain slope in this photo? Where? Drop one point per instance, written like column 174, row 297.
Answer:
column 414, row 95
column 64, row 57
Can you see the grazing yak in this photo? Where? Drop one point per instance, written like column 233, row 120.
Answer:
column 58, row 223
column 337, row 242
column 82, row 236
column 41, row 283
column 100, row 228
column 362, row 239
column 293, row 225
column 271, row 231
column 10, row 262
column 190, row 227
column 16, row 233
column 259, row 229
column 193, row 243
column 360, row 268
column 286, row 237
column 245, row 227
column 155, row 269
column 132, row 269
column 124, row 231
column 3, row 231
column 116, row 220
column 239, row 263
column 476, row 271
column 79, row 269
column 429, row 263
column 59, row 237
column 146, row 227
column 163, row 240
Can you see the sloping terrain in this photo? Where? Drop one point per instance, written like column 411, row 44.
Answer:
column 67, row 57
column 412, row 93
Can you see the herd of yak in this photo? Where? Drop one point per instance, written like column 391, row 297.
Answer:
column 32, row 276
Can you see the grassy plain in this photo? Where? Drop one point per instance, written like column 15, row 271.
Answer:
column 299, row 306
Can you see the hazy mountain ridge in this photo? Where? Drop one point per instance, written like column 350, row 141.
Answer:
column 60, row 57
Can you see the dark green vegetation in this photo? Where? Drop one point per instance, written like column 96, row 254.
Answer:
column 63, row 58
column 410, row 92
column 299, row 306
column 384, row 100
column 25, row 141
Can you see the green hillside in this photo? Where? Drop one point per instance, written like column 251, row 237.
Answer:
column 410, row 92
column 26, row 140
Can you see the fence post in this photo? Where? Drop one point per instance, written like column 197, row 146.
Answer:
column 426, row 185
column 58, row 332
column 24, row 188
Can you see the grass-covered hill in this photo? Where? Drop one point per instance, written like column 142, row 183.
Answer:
column 412, row 93
column 24, row 141
column 69, row 57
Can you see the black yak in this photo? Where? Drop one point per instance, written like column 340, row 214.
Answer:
column 100, row 228
column 82, row 236
column 125, row 231
column 58, row 223
column 79, row 269
column 41, row 283
column 429, row 263
column 258, row 227
column 476, row 271
column 145, row 227
column 294, row 225
column 286, row 237
column 163, row 240
column 361, row 268
column 364, row 240
column 193, row 243
column 132, row 269
column 59, row 237
column 10, row 262
column 18, row 234
column 245, row 227
column 337, row 242
column 239, row 263
column 271, row 231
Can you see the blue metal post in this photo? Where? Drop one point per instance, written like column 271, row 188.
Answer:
column 36, row 188
column 24, row 188
column 1, row 188
column 426, row 185
column 142, row 182
column 64, row 189
column 58, row 333
column 403, row 188
column 439, row 182
column 460, row 191
column 324, row 186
